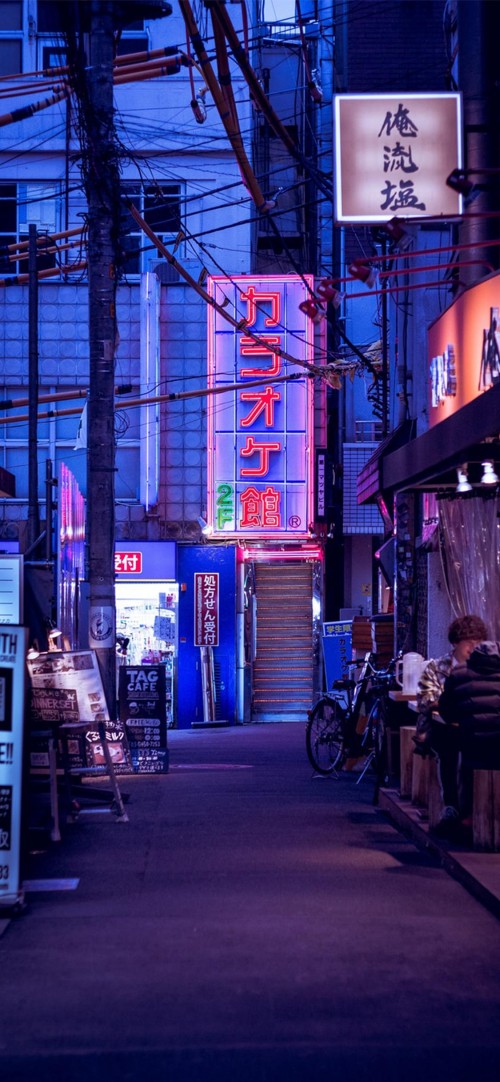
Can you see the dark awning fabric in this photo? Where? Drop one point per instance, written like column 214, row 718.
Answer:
column 369, row 482
column 470, row 435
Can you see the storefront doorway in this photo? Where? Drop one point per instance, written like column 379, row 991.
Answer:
column 147, row 600
column 285, row 614
column 146, row 615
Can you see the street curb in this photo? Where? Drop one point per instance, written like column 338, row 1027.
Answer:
column 406, row 818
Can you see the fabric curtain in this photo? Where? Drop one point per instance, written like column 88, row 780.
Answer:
column 470, row 550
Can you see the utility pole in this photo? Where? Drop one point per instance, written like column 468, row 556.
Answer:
column 102, row 188
column 33, row 512
column 479, row 83
column 90, row 36
column 90, row 27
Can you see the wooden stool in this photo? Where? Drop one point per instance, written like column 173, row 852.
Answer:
column 420, row 781
column 435, row 796
column 486, row 810
column 406, row 756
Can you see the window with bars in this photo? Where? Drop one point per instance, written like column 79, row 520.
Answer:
column 57, row 440
column 134, row 37
column 160, row 206
column 358, row 518
column 21, row 205
column 11, row 37
column 44, row 205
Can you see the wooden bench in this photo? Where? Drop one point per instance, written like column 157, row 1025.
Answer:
column 419, row 778
column 486, row 810
column 406, row 757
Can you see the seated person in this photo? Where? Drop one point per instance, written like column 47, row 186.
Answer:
column 471, row 699
column 464, row 635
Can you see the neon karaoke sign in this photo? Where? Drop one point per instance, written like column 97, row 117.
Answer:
column 260, row 476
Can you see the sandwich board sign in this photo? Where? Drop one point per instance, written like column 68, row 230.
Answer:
column 13, row 646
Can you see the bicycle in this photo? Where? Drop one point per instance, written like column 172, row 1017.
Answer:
column 331, row 730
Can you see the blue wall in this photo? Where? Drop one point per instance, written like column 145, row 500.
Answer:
column 203, row 558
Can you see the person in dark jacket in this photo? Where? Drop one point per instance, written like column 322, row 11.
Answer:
column 432, row 735
column 471, row 699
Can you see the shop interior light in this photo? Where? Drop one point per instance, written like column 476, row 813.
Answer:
column 364, row 272
column 490, row 477
column 329, row 294
column 463, row 480
column 32, row 654
column 398, row 234
column 458, row 182
column 53, row 634
column 306, row 551
column 206, row 530
column 313, row 310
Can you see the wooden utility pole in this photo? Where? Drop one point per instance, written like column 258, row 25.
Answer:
column 33, row 512
column 90, row 37
column 102, row 183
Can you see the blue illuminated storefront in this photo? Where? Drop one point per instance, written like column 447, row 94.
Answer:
column 155, row 599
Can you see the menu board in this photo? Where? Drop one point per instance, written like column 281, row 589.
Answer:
column 67, row 687
column 143, row 713
column 13, row 644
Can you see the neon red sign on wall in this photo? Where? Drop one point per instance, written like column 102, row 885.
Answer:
column 260, row 437
column 206, row 608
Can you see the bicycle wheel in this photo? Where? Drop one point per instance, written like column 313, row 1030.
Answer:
column 325, row 735
column 377, row 736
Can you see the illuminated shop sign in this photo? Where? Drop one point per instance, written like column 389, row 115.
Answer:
column 128, row 563
column 393, row 153
column 471, row 366
column 206, row 608
column 443, row 376
column 489, row 371
column 149, row 561
column 259, row 437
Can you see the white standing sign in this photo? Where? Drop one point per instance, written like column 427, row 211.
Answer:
column 13, row 647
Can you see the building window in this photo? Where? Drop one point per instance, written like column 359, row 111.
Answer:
column 161, row 209
column 8, row 225
column 51, row 47
column 133, row 38
column 22, row 205
column 49, row 17
column 11, row 39
column 57, row 441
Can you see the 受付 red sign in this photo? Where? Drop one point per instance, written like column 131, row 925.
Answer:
column 206, row 609
column 127, row 563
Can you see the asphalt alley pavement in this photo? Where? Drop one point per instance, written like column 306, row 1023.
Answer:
column 249, row 923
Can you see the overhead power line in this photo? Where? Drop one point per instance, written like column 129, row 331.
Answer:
column 172, row 396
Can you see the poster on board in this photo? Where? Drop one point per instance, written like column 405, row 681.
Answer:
column 67, row 687
column 13, row 646
column 143, row 712
column 337, row 650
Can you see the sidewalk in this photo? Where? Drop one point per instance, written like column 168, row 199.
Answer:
column 478, row 872
column 248, row 922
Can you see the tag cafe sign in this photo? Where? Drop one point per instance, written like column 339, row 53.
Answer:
column 393, row 153
column 259, row 438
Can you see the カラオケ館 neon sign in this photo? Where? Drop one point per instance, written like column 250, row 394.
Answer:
column 259, row 437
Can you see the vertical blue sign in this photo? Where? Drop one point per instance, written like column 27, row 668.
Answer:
column 337, row 650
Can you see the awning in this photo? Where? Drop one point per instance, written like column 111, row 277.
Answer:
column 369, row 482
column 471, row 435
